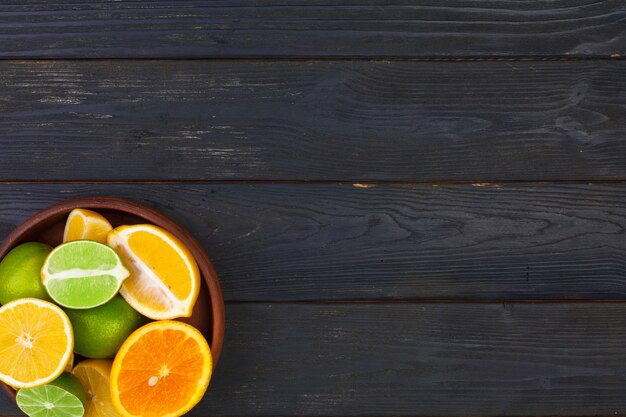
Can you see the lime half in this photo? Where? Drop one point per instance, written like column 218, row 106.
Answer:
column 83, row 274
column 63, row 397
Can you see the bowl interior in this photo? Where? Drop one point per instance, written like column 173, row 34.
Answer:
column 47, row 227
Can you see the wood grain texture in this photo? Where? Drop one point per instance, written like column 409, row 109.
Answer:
column 412, row 28
column 329, row 242
column 427, row 121
column 418, row 360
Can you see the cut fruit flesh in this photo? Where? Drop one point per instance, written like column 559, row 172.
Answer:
column 165, row 279
column 36, row 342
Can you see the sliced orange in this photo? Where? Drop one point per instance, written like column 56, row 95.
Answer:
column 85, row 224
column 94, row 375
column 164, row 280
column 162, row 370
column 36, row 342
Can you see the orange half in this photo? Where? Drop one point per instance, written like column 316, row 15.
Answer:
column 162, row 370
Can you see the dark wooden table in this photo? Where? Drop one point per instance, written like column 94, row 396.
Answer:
column 415, row 207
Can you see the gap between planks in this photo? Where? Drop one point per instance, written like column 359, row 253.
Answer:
column 414, row 300
column 313, row 58
column 359, row 183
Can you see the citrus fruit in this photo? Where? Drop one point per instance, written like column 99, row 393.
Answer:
column 20, row 272
column 94, row 374
column 99, row 332
column 63, row 397
column 83, row 274
column 71, row 384
column 164, row 280
column 162, row 369
column 36, row 342
column 49, row 401
column 86, row 225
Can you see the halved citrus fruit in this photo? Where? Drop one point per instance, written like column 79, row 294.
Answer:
column 164, row 280
column 83, row 274
column 95, row 375
column 36, row 342
column 63, row 397
column 86, row 225
column 162, row 370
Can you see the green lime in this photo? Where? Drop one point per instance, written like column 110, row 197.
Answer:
column 71, row 384
column 63, row 397
column 99, row 332
column 83, row 274
column 20, row 272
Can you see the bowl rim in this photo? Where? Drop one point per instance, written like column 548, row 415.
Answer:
column 152, row 216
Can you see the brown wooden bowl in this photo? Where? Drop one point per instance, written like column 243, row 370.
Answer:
column 47, row 227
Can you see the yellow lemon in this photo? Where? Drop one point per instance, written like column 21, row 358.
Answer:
column 36, row 342
column 95, row 374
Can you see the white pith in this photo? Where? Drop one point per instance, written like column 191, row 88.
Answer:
column 119, row 238
column 86, row 221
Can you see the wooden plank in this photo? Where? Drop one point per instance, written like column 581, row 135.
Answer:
column 413, row 28
column 419, row 360
column 428, row 121
column 312, row 242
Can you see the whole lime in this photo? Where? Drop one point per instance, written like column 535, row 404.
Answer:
column 99, row 332
column 20, row 272
column 71, row 384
